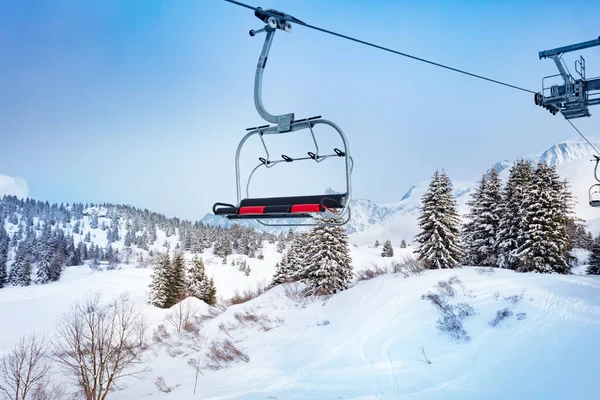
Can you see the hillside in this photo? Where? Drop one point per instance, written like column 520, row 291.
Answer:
column 363, row 343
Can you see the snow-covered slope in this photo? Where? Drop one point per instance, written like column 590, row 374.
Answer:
column 371, row 341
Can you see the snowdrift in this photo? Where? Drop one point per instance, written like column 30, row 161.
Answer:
column 377, row 340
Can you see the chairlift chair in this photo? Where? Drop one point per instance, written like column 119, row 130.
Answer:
column 326, row 209
column 594, row 193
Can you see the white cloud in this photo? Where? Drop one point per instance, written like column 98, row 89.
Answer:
column 13, row 186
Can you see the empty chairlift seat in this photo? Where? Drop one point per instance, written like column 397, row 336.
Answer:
column 281, row 207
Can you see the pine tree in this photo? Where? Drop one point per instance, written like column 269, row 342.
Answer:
column 176, row 279
column 510, row 235
column 196, row 280
column 210, row 293
column 94, row 222
column 328, row 265
column 440, row 226
column 544, row 244
column 283, row 272
column 388, row 250
column 20, row 271
column 594, row 259
column 376, row 243
column 4, row 241
column 403, row 244
column 479, row 234
column 159, row 287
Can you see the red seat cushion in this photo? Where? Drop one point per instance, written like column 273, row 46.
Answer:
column 252, row 210
column 306, row 208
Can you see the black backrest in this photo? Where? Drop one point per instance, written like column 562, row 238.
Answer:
column 329, row 200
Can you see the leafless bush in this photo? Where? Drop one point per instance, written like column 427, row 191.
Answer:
column 486, row 271
column 24, row 369
column 174, row 351
column 514, row 299
column 323, row 323
column 160, row 334
column 500, row 316
column 521, row 316
column 301, row 294
column 438, row 301
column 452, row 324
column 425, row 359
column 464, row 310
column 162, row 385
column 408, row 266
column 445, row 288
column 99, row 344
column 370, row 273
column 182, row 318
column 221, row 354
column 49, row 391
column 141, row 327
column 246, row 295
column 250, row 318
column 194, row 362
column 412, row 265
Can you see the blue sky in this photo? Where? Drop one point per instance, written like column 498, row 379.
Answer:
column 144, row 102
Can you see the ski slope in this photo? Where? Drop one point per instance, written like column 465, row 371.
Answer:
column 363, row 343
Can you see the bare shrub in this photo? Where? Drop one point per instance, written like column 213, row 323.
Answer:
column 424, row 359
column 174, row 351
column 221, row 354
column 250, row 318
column 521, row 316
column 446, row 287
column 246, row 295
column 408, row 266
column 500, row 316
column 464, row 310
column 413, row 265
column 323, row 323
column 194, row 362
column 99, row 344
column 160, row 334
column 162, row 385
column 438, row 301
column 183, row 317
column 486, row 271
column 24, row 369
column 300, row 294
column 451, row 324
column 370, row 273
column 514, row 299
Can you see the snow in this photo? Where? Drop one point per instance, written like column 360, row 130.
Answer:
column 362, row 343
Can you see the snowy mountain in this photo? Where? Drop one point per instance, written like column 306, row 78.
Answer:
column 396, row 221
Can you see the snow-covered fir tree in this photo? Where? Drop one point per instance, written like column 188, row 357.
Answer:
column 387, row 250
column 198, row 284
column 545, row 214
column 594, row 259
column 510, row 235
column 327, row 262
column 439, row 239
column 159, row 286
column 283, row 272
column 376, row 243
column 403, row 244
column 4, row 242
column 177, row 279
column 479, row 233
